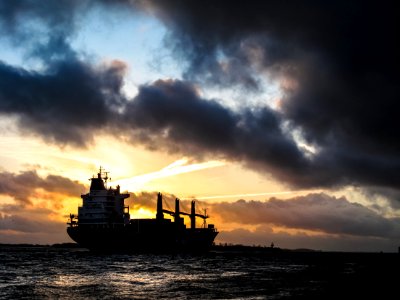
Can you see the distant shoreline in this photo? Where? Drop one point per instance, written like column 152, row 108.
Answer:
column 229, row 248
column 60, row 245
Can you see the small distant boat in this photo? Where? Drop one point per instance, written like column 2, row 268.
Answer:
column 103, row 224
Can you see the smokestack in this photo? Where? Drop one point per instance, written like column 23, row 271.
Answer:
column 177, row 210
column 193, row 216
column 159, row 215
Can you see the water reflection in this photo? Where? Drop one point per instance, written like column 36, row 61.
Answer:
column 43, row 272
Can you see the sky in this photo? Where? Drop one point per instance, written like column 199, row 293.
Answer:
column 279, row 117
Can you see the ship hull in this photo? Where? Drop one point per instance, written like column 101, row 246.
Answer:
column 129, row 239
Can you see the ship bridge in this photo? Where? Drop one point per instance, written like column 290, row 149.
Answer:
column 103, row 205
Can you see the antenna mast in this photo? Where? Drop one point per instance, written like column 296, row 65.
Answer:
column 103, row 175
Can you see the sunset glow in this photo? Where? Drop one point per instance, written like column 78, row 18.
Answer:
column 283, row 128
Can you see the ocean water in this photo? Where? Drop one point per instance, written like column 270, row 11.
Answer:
column 54, row 273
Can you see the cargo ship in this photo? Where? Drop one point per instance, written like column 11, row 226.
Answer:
column 103, row 223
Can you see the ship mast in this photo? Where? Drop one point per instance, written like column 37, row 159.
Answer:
column 192, row 215
column 205, row 218
column 103, row 174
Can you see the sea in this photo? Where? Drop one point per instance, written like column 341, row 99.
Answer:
column 44, row 272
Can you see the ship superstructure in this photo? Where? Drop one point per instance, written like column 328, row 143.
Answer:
column 103, row 223
column 102, row 206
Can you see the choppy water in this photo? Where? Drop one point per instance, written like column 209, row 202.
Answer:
column 51, row 273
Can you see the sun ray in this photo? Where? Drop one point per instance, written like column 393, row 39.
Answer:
column 176, row 168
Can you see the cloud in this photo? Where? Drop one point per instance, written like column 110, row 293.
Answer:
column 320, row 221
column 143, row 199
column 68, row 97
column 34, row 229
column 25, row 225
column 173, row 114
column 53, row 14
column 31, row 220
column 33, row 21
column 320, row 213
column 148, row 200
column 316, row 212
column 376, row 193
column 338, row 57
column 334, row 62
column 22, row 187
column 30, row 224
column 67, row 103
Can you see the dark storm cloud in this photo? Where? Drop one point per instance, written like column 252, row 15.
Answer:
column 318, row 212
column 70, row 98
column 338, row 67
column 219, row 39
column 336, row 32
column 66, row 104
column 22, row 186
column 336, row 62
column 173, row 112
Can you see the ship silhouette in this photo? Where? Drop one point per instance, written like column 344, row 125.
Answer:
column 103, row 224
